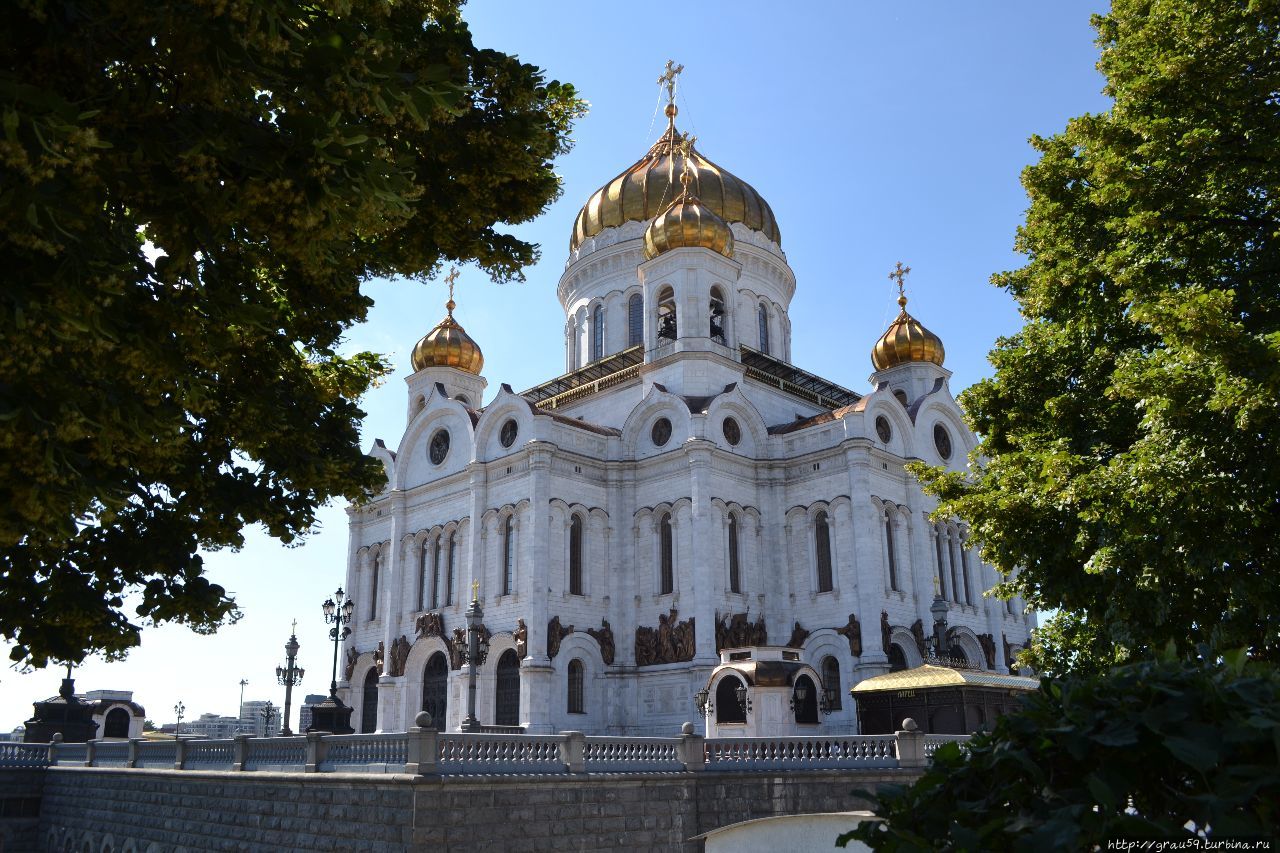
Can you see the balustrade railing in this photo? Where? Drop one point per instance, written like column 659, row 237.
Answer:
column 632, row 755
column 486, row 754
column 281, row 754
column 845, row 752
column 372, row 753
column 427, row 752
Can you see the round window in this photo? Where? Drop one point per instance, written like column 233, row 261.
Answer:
column 509, row 431
column 732, row 432
column 883, row 429
column 942, row 441
column 439, row 447
column 661, row 432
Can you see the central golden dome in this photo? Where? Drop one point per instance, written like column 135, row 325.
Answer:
column 906, row 340
column 448, row 345
column 652, row 184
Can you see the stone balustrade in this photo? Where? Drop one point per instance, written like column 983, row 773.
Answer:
column 425, row 752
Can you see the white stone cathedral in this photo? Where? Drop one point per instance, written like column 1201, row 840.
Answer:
column 682, row 488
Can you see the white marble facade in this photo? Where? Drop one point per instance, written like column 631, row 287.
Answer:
column 559, row 506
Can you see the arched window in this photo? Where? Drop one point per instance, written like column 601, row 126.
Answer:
column 508, row 557
column 448, row 568
column 667, row 314
column 762, row 321
column 964, row 570
column 635, row 320
column 666, row 547
column 575, row 687
column 728, row 708
column 831, row 680
column 435, row 572
column 806, row 706
column 423, row 580
column 116, row 724
column 507, row 691
column 373, row 586
column 435, row 690
column 890, row 547
column 369, row 707
column 897, row 658
column 942, row 569
column 735, row 574
column 822, row 549
column 597, row 333
column 575, row 556
column 716, row 319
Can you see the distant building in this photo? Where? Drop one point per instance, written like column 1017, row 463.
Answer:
column 212, row 726
column 251, row 720
column 304, row 713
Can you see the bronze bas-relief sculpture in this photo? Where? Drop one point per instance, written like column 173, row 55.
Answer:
column 670, row 642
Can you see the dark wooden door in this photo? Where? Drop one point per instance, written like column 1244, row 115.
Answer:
column 435, row 690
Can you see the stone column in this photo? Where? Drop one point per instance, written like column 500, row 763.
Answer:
column 536, row 674
column 389, row 607
column 866, row 554
column 702, row 564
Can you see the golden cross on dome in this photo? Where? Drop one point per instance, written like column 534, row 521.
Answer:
column 899, row 273
column 449, row 280
column 668, row 79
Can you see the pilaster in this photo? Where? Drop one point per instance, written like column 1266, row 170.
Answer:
column 868, row 569
column 703, row 574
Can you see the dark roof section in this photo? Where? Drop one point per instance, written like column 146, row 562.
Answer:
column 584, row 377
column 820, row 418
column 575, row 422
column 776, row 373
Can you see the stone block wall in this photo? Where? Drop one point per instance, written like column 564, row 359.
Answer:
column 149, row 811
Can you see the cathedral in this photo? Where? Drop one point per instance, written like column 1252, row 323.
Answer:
column 683, row 489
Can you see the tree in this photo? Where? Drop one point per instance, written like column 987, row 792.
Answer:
column 191, row 193
column 1128, row 469
column 1137, row 752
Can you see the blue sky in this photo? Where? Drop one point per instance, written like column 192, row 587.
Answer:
column 878, row 132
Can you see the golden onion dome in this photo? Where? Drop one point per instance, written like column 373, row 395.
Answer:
column 906, row 340
column 448, row 345
column 649, row 186
column 687, row 223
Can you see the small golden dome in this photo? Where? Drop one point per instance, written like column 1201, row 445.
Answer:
column 906, row 340
column 448, row 345
column 687, row 223
column 649, row 186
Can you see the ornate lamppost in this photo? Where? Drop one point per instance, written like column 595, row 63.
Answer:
column 289, row 675
column 268, row 714
column 332, row 715
column 179, row 709
column 474, row 651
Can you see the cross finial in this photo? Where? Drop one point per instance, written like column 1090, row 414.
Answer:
column 475, row 590
column 449, row 280
column 294, row 629
column 936, row 589
column 668, row 79
column 899, row 273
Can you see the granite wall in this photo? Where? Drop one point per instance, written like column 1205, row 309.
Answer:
column 147, row 811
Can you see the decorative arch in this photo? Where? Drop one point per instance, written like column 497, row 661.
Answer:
column 906, row 642
column 964, row 637
column 657, row 403
column 412, row 468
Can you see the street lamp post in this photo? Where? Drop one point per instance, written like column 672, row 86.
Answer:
column 179, row 709
column 289, row 675
column 474, row 652
column 332, row 715
column 268, row 713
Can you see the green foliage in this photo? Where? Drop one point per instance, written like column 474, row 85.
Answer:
column 1136, row 752
column 275, row 154
column 1128, row 466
